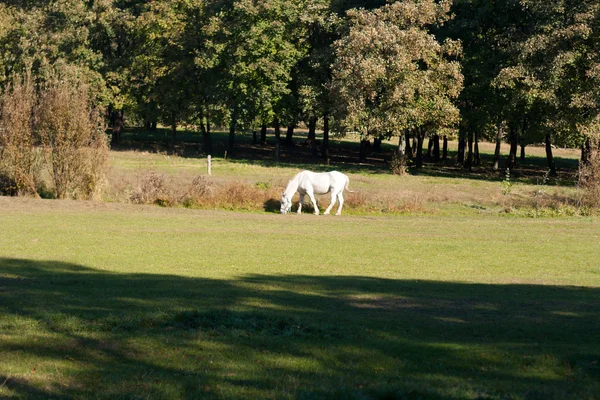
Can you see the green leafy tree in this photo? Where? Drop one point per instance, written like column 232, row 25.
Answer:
column 391, row 74
column 163, row 64
column 489, row 32
column 44, row 35
column 259, row 43
column 114, row 34
column 553, row 75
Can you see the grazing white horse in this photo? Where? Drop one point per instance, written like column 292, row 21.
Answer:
column 311, row 183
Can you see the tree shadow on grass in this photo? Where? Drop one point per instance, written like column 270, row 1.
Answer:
column 69, row 331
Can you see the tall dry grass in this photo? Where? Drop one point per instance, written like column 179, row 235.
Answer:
column 203, row 192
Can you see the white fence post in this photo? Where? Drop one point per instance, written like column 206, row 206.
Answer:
column 208, row 165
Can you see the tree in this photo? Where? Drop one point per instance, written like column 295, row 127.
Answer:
column 19, row 158
column 71, row 131
column 490, row 33
column 551, row 79
column 51, row 34
column 259, row 43
column 114, row 34
column 392, row 75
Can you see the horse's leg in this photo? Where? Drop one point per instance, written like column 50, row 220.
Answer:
column 333, row 197
column 300, row 203
column 341, row 201
column 314, row 202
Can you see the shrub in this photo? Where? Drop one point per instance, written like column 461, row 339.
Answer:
column 152, row 189
column 19, row 158
column 72, row 133
column 199, row 193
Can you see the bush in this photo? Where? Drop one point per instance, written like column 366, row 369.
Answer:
column 72, row 134
column 199, row 193
column 152, row 190
column 55, row 128
column 20, row 161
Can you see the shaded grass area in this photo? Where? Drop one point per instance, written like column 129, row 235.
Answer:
column 72, row 331
column 113, row 301
column 344, row 156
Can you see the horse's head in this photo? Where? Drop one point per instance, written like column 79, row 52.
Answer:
column 286, row 203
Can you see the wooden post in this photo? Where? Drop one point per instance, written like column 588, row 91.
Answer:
column 208, row 165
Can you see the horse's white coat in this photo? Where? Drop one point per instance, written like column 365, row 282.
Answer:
column 311, row 183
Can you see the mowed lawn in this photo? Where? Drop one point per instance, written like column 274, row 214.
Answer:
column 113, row 301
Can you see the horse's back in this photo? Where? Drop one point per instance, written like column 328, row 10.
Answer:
column 323, row 182
column 339, row 180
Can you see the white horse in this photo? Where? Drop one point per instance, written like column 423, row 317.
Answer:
column 311, row 183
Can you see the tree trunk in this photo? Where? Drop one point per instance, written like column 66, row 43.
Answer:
column 232, row 126
column 409, row 152
column 476, row 156
column 208, row 123
column 420, row 140
column 445, row 148
column 263, row 134
column 497, row 149
column 364, row 145
column 398, row 162
column 289, row 134
column 512, row 155
column 549, row 156
column 469, row 163
column 430, row 148
column 312, row 136
column 277, row 139
column 325, row 144
column 312, row 127
column 206, row 138
column 460, row 157
column 402, row 146
column 436, row 148
column 377, row 144
column 173, row 137
column 117, row 126
column 522, row 156
column 205, row 130
column 415, row 144
column 586, row 151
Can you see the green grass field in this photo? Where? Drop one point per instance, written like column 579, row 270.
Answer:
column 109, row 300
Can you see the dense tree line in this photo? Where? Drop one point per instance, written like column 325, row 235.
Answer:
column 524, row 71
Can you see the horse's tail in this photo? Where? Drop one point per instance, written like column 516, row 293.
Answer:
column 348, row 184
